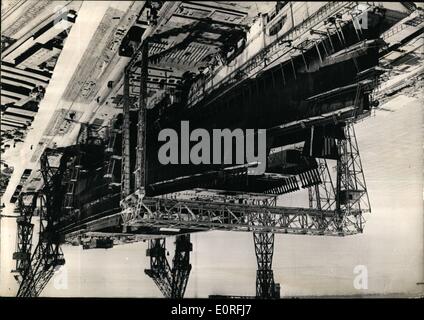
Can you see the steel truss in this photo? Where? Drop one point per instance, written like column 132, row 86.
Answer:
column 114, row 158
column 264, row 249
column 25, row 229
column 321, row 219
column 351, row 191
column 349, row 197
column 47, row 256
column 125, row 164
column 208, row 215
column 322, row 196
column 36, row 271
column 71, row 177
column 333, row 210
column 171, row 282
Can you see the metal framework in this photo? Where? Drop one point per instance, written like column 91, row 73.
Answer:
column 126, row 173
column 264, row 249
column 351, row 191
column 207, row 215
column 25, row 229
column 349, row 197
column 278, row 48
column 322, row 196
column 36, row 271
column 47, row 256
column 171, row 282
column 114, row 158
column 140, row 172
column 322, row 218
column 72, row 177
column 334, row 210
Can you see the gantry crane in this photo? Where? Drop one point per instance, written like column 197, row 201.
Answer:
column 335, row 208
column 35, row 268
column 338, row 203
column 36, row 271
column 61, row 169
column 348, row 196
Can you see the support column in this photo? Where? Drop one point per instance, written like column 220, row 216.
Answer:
column 264, row 249
column 140, row 172
column 266, row 288
column 125, row 172
column 171, row 282
column 181, row 265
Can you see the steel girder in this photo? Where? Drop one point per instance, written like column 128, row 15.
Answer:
column 208, row 215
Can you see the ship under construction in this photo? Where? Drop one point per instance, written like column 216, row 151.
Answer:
column 305, row 81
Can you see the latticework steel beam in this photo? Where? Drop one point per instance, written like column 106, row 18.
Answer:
column 181, row 266
column 322, row 196
column 25, row 229
column 159, row 271
column 353, row 195
column 208, row 215
column 46, row 257
column 140, row 172
column 264, row 249
column 126, row 170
